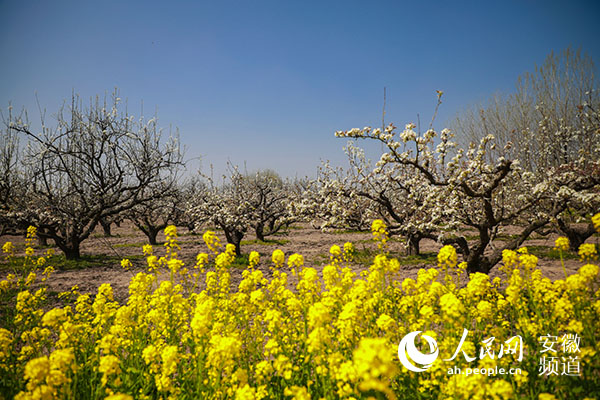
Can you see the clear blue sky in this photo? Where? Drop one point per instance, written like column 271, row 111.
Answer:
column 268, row 82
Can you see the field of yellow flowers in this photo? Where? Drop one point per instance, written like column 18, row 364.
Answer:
column 332, row 335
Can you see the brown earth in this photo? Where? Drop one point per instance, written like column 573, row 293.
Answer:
column 313, row 244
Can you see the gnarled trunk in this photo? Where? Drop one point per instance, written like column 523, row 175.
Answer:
column 106, row 228
column 259, row 230
column 577, row 235
column 234, row 237
column 151, row 234
column 42, row 241
column 414, row 240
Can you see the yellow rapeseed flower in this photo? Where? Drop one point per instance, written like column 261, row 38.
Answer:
column 109, row 366
column 126, row 264
column 31, row 232
column 349, row 251
column 380, row 234
column 254, row 259
column 212, row 241
column 36, row 371
column 297, row 393
column 8, row 248
column 119, row 396
column 333, row 335
column 278, row 258
column 587, row 251
column 562, row 244
column 385, row 322
column 335, row 250
column 171, row 231
column 147, row 249
column 295, row 262
column 447, row 257
column 230, row 248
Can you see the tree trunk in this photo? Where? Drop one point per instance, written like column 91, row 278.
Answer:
column 71, row 252
column 260, row 232
column 459, row 241
column 42, row 241
column 106, row 228
column 577, row 235
column 234, row 237
column 238, row 248
column 69, row 246
column 152, row 233
column 476, row 261
column 479, row 264
column 413, row 240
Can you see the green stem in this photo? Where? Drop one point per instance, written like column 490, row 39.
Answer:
column 562, row 262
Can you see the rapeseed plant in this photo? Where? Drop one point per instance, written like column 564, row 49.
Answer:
column 333, row 334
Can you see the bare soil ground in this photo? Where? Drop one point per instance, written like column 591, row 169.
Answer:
column 127, row 241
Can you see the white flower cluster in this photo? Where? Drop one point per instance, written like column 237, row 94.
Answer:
column 427, row 186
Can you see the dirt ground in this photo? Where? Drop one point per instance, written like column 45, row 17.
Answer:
column 127, row 241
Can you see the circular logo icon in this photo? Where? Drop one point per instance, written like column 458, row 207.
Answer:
column 407, row 351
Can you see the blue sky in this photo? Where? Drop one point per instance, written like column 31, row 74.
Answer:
column 266, row 83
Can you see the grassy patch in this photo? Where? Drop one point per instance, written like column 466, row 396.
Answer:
column 551, row 253
column 423, row 258
column 59, row 262
column 113, row 235
column 127, row 245
column 158, row 244
column 241, row 262
column 345, row 231
column 7, row 307
column 319, row 259
column 365, row 258
column 268, row 242
column 86, row 261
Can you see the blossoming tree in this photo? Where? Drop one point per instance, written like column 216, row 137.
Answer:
column 95, row 163
column 329, row 202
column 469, row 191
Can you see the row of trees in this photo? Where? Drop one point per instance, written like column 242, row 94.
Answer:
column 528, row 160
column 98, row 165
column 259, row 202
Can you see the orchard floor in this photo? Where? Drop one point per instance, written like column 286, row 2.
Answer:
column 102, row 255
